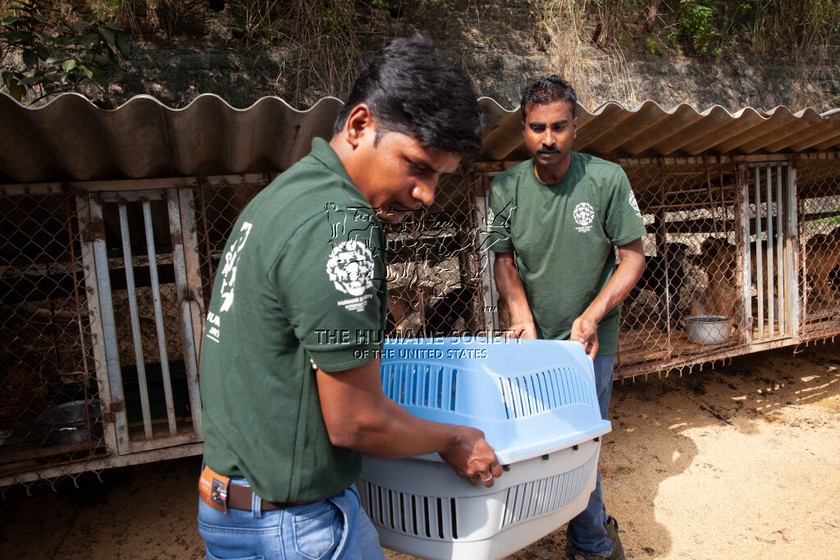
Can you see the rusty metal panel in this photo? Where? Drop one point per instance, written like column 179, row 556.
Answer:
column 188, row 279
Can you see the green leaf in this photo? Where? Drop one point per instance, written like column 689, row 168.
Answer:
column 123, row 46
column 30, row 58
column 18, row 37
column 89, row 40
column 81, row 26
column 16, row 90
column 108, row 34
column 113, row 60
column 13, row 85
column 97, row 77
column 68, row 64
column 86, row 70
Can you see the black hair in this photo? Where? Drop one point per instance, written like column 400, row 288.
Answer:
column 412, row 88
column 548, row 89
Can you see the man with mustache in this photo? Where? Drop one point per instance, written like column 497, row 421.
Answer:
column 554, row 224
column 290, row 357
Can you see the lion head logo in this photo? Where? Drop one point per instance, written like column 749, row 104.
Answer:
column 350, row 267
column 634, row 205
column 584, row 214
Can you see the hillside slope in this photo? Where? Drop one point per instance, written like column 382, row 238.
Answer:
column 502, row 44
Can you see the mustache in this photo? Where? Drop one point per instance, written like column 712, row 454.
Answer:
column 549, row 150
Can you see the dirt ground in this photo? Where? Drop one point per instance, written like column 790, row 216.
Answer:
column 741, row 461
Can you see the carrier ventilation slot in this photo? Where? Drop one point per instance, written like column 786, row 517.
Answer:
column 528, row 395
column 540, row 497
column 429, row 517
column 421, row 385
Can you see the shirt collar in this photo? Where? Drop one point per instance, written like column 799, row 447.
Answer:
column 323, row 152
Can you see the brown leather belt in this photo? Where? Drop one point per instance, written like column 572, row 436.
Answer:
column 241, row 497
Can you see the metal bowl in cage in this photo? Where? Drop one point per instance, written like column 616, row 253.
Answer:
column 71, row 422
column 708, row 329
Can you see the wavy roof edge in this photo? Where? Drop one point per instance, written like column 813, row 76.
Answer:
column 61, row 98
column 69, row 138
column 736, row 114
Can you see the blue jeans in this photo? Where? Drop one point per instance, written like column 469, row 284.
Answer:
column 588, row 530
column 336, row 528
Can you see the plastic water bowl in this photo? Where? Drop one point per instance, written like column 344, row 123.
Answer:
column 708, row 329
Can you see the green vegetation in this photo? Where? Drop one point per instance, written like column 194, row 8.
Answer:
column 55, row 55
column 49, row 46
column 698, row 25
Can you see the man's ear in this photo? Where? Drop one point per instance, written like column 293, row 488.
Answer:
column 359, row 122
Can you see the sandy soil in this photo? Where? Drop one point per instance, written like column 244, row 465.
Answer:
column 742, row 461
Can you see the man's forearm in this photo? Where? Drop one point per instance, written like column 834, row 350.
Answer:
column 626, row 275
column 510, row 288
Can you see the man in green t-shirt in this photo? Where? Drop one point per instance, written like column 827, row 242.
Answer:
column 290, row 363
column 554, row 223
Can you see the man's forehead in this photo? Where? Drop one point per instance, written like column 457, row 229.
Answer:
column 555, row 112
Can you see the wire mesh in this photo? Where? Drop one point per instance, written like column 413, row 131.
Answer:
column 49, row 408
column 709, row 242
column 819, row 220
column 434, row 267
column 687, row 208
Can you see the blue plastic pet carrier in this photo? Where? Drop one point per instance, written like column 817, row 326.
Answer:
column 535, row 401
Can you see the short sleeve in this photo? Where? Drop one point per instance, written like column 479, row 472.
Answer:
column 500, row 209
column 624, row 220
column 331, row 281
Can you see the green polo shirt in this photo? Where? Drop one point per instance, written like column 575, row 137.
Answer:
column 563, row 236
column 300, row 282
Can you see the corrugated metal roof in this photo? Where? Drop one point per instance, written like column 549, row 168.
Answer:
column 613, row 131
column 70, row 139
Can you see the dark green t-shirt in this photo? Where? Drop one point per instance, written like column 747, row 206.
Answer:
column 563, row 235
column 300, row 282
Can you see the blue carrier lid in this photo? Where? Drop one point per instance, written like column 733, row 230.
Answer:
column 529, row 397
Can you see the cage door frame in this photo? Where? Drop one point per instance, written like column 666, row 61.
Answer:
column 106, row 344
column 772, row 186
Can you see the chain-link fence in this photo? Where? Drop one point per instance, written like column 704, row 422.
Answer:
column 434, row 274
column 685, row 299
column 104, row 293
column 49, row 406
column 728, row 253
column 818, row 183
column 435, row 268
